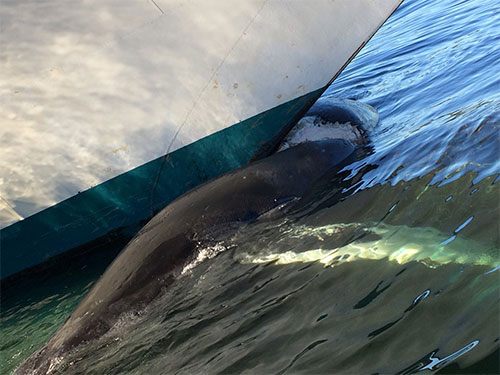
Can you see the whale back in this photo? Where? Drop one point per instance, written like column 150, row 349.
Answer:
column 156, row 255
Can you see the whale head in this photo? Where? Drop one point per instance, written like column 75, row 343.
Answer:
column 333, row 118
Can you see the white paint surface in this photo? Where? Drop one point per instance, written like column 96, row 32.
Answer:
column 90, row 89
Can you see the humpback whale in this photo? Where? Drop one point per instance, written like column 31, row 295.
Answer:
column 157, row 255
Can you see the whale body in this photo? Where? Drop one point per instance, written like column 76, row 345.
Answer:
column 158, row 253
column 172, row 240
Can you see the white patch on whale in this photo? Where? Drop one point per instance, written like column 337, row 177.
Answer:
column 314, row 128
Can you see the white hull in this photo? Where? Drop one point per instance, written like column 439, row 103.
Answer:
column 93, row 89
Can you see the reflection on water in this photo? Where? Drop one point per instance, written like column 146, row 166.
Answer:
column 411, row 230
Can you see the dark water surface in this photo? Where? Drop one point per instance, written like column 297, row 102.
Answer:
column 311, row 292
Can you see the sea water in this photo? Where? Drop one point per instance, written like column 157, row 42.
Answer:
column 390, row 266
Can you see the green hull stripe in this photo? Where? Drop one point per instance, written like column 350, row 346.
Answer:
column 121, row 205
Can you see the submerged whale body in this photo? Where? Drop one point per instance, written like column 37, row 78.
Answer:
column 156, row 256
column 402, row 244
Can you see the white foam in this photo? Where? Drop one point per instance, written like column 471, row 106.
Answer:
column 207, row 252
column 311, row 128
